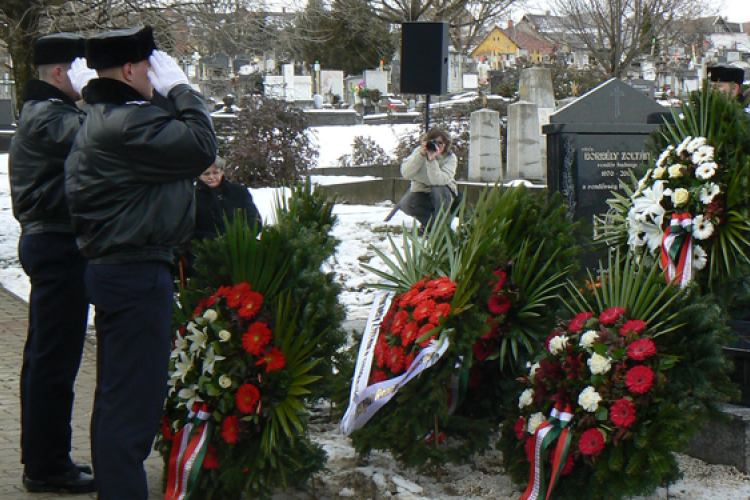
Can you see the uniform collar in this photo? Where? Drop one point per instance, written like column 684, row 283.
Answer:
column 39, row 90
column 111, row 91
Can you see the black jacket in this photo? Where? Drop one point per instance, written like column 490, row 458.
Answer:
column 212, row 203
column 48, row 126
column 129, row 177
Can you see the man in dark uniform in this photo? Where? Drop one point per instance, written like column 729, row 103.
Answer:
column 129, row 183
column 58, row 305
column 727, row 78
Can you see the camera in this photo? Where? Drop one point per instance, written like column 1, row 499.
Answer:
column 432, row 146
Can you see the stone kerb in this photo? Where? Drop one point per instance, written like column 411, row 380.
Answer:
column 485, row 152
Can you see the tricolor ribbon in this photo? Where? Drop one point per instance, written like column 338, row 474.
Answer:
column 677, row 249
column 188, row 451
column 555, row 427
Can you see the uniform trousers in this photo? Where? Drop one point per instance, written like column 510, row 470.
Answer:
column 58, row 308
column 133, row 316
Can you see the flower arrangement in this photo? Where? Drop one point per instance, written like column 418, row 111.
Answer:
column 362, row 90
column 236, row 364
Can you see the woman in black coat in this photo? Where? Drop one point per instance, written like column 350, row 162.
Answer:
column 216, row 197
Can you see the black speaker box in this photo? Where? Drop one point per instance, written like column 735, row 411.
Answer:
column 424, row 58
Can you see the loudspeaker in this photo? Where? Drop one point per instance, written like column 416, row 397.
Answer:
column 424, row 58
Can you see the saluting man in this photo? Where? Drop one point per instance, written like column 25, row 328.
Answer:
column 129, row 183
column 58, row 305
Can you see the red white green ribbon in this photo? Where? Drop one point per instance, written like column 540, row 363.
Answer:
column 555, row 427
column 188, row 451
column 677, row 249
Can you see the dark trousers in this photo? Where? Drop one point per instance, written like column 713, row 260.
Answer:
column 424, row 206
column 133, row 316
column 58, row 308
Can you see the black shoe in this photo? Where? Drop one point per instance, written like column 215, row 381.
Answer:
column 73, row 481
column 85, row 468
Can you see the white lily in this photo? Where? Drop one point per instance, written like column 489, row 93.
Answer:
column 197, row 340
column 182, row 367
column 190, row 394
column 179, row 346
column 211, row 359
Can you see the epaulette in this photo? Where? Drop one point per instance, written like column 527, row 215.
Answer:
column 139, row 103
column 55, row 100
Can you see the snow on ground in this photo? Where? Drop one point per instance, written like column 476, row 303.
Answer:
column 361, row 227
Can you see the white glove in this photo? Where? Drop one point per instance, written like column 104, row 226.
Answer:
column 165, row 73
column 80, row 74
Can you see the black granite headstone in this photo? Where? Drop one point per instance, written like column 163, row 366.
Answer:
column 592, row 143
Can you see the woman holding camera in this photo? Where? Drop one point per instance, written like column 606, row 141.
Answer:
column 431, row 169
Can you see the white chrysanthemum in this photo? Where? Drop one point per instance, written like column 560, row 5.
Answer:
column 533, row 369
column 683, row 145
column 558, row 344
column 664, row 156
column 224, row 336
column 589, row 399
column 700, row 257
column 705, row 171
column 210, row 315
column 599, row 364
column 675, row 171
column 588, row 339
column 704, row 154
column 225, row 382
column 526, row 398
column 709, row 192
column 696, row 143
column 659, row 172
column 535, row 421
column 702, row 228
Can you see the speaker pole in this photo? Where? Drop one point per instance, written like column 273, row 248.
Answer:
column 426, row 113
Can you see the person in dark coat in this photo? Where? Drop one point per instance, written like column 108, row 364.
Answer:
column 129, row 183
column 58, row 305
column 216, row 197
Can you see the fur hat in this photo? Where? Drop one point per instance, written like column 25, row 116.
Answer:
column 58, row 48
column 726, row 73
column 118, row 47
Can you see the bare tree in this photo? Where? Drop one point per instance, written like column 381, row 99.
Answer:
column 617, row 32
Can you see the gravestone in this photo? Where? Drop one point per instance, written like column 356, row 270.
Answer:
column 332, row 82
column 376, row 79
column 6, row 124
column 594, row 142
column 485, row 155
column 647, row 87
column 524, row 139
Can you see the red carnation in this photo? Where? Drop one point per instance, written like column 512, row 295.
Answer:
column 640, row 379
column 501, row 277
column 591, row 442
column 234, row 298
column 251, row 303
column 247, row 398
column 378, row 376
column 424, row 310
column 529, row 446
column 641, row 349
column 633, row 325
column 579, row 320
column 166, row 430
column 611, row 315
column 441, row 311
column 395, row 360
column 520, row 428
column 211, row 460
column 569, row 464
column 401, row 318
column 622, row 413
column 274, row 360
column 499, row 304
column 230, row 429
column 410, row 333
column 406, row 298
column 257, row 338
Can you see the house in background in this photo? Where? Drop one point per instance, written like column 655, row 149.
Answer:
column 501, row 47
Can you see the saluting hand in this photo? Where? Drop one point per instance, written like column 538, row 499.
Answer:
column 165, row 74
column 80, row 74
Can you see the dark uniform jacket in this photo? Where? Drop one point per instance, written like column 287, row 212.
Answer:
column 213, row 203
column 129, row 177
column 48, row 126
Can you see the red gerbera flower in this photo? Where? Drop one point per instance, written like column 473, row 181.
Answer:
column 423, row 296
column 611, row 315
column 409, row 360
column 211, row 460
column 528, row 447
column 211, row 300
column 401, row 318
column 639, row 379
column 444, row 288
column 234, row 298
column 427, row 341
column 166, row 430
column 641, row 349
column 427, row 328
column 419, row 284
column 230, row 429
column 441, row 311
column 251, row 303
column 591, row 442
column 247, row 397
column 520, row 428
column 424, row 310
column 406, row 298
column 381, row 352
column 395, row 360
column 223, row 291
column 622, row 413
column 378, row 376
column 499, row 304
column 633, row 325
column 579, row 320
column 274, row 360
column 410, row 333
column 257, row 337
